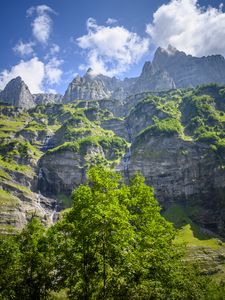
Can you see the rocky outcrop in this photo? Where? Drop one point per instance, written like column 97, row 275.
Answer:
column 189, row 71
column 62, row 171
column 17, row 93
column 18, row 204
column 97, row 86
column 182, row 172
column 142, row 116
column 88, row 87
column 152, row 79
column 44, row 98
column 117, row 125
column 169, row 69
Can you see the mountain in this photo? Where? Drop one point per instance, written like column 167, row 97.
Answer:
column 188, row 71
column 44, row 98
column 169, row 69
column 92, row 86
column 17, row 93
column 152, row 79
column 174, row 138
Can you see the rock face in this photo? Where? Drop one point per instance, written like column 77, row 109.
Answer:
column 152, row 79
column 98, row 87
column 61, row 172
column 47, row 98
column 182, row 172
column 17, row 93
column 169, row 69
column 91, row 86
column 189, row 71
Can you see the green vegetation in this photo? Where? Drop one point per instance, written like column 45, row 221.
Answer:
column 13, row 166
column 34, row 126
column 189, row 232
column 193, row 114
column 165, row 127
column 112, row 146
column 18, row 149
column 7, row 199
column 112, row 244
column 4, row 174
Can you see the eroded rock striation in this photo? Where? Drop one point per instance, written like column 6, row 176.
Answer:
column 187, row 70
column 17, row 93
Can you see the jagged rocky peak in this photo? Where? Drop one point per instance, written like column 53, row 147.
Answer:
column 152, row 79
column 169, row 69
column 17, row 93
column 88, row 87
column 147, row 70
column 94, row 86
column 187, row 70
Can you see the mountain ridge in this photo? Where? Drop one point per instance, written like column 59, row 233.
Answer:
column 169, row 69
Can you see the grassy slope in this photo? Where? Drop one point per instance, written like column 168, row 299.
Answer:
column 203, row 247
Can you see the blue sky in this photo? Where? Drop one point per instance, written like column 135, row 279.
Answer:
column 47, row 43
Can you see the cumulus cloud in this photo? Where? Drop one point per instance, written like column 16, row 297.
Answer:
column 34, row 73
column 24, row 49
column 53, row 71
column 31, row 71
column 188, row 27
column 42, row 23
column 111, row 50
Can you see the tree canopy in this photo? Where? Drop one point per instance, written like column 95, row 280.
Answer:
column 112, row 244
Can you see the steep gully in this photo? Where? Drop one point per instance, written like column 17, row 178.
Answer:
column 47, row 144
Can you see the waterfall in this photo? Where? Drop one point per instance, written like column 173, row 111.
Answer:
column 47, row 144
column 38, row 204
column 127, row 156
column 54, row 214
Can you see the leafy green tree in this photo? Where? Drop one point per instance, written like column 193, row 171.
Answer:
column 114, row 244
column 27, row 264
column 36, row 277
column 9, row 267
column 97, row 237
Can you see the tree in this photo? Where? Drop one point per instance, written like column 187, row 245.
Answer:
column 97, row 237
column 9, row 266
column 114, row 244
column 27, row 264
column 37, row 268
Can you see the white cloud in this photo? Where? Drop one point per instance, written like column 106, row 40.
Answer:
column 111, row 50
column 188, row 27
column 31, row 71
column 42, row 23
column 111, row 21
column 35, row 74
column 24, row 49
column 53, row 72
column 54, row 49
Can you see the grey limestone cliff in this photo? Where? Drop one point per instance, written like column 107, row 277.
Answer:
column 17, row 93
column 187, row 70
column 152, row 79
